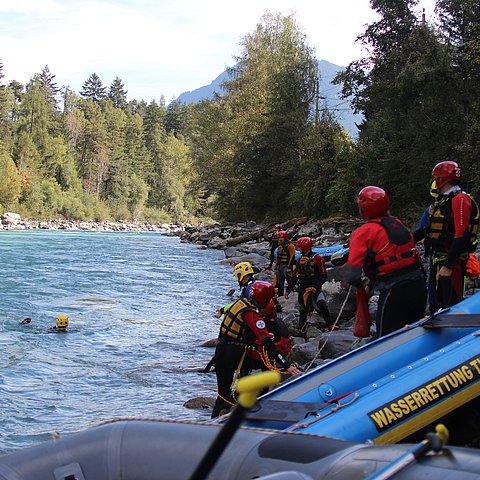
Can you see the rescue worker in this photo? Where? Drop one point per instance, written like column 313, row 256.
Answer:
column 285, row 262
column 450, row 234
column 273, row 245
column 61, row 324
column 244, row 274
column 310, row 273
column 278, row 332
column 242, row 325
column 422, row 225
column 384, row 250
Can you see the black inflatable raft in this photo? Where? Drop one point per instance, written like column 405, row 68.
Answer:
column 148, row 450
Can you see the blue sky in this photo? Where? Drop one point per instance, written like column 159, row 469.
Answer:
column 160, row 47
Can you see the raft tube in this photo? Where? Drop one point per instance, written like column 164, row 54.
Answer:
column 388, row 389
column 156, row 450
column 325, row 252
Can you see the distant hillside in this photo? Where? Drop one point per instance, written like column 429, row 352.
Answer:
column 340, row 108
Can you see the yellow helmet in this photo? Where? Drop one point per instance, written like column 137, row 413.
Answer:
column 240, row 270
column 434, row 189
column 62, row 321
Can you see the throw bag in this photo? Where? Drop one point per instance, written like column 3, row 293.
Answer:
column 362, row 315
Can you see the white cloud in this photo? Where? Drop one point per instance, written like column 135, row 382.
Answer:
column 168, row 46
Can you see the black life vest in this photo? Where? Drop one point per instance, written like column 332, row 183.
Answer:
column 440, row 229
column 396, row 255
column 233, row 325
column 306, row 270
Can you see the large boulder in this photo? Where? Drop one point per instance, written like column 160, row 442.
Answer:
column 10, row 218
column 340, row 297
column 336, row 344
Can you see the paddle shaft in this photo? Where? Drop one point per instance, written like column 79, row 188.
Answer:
column 219, row 444
column 432, row 442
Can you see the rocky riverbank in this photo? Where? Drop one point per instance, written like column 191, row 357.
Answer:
column 13, row 221
column 249, row 242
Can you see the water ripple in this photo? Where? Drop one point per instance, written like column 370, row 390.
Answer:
column 139, row 303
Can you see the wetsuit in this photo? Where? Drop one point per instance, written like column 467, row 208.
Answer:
column 240, row 328
column 384, row 250
column 311, row 273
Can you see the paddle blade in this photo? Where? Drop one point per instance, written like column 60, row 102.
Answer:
column 362, row 315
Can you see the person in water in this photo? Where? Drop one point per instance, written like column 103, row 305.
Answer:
column 61, row 324
column 26, row 321
column 242, row 325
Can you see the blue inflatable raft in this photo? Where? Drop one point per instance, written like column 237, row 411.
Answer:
column 389, row 388
column 325, row 252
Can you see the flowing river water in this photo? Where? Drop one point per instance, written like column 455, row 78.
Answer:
column 139, row 304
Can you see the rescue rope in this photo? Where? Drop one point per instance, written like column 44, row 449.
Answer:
column 330, row 332
column 337, row 407
column 268, row 364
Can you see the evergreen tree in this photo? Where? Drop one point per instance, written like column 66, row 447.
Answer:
column 176, row 118
column 93, row 89
column 407, row 92
column 117, row 94
column 46, row 79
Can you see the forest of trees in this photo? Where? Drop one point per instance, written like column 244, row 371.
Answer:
column 264, row 149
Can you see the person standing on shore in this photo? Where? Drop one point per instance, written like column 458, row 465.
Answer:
column 310, row 273
column 273, row 245
column 384, row 250
column 285, row 262
column 450, row 234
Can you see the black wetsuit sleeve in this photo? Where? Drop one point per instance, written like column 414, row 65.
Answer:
column 353, row 274
column 459, row 245
column 418, row 234
column 273, row 247
column 274, row 353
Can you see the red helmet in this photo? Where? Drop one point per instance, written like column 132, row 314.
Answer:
column 277, row 226
column 283, row 235
column 373, row 202
column 261, row 293
column 445, row 172
column 304, row 244
column 269, row 310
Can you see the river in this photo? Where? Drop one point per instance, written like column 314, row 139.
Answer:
column 139, row 304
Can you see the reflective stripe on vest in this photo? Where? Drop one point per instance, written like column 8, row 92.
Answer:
column 233, row 325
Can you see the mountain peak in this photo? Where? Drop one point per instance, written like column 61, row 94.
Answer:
column 331, row 93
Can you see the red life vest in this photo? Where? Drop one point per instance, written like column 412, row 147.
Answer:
column 398, row 253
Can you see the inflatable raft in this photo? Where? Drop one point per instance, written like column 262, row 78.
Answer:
column 325, row 252
column 388, row 389
column 156, row 450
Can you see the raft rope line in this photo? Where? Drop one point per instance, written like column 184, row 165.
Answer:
column 330, row 332
column 337, row 407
